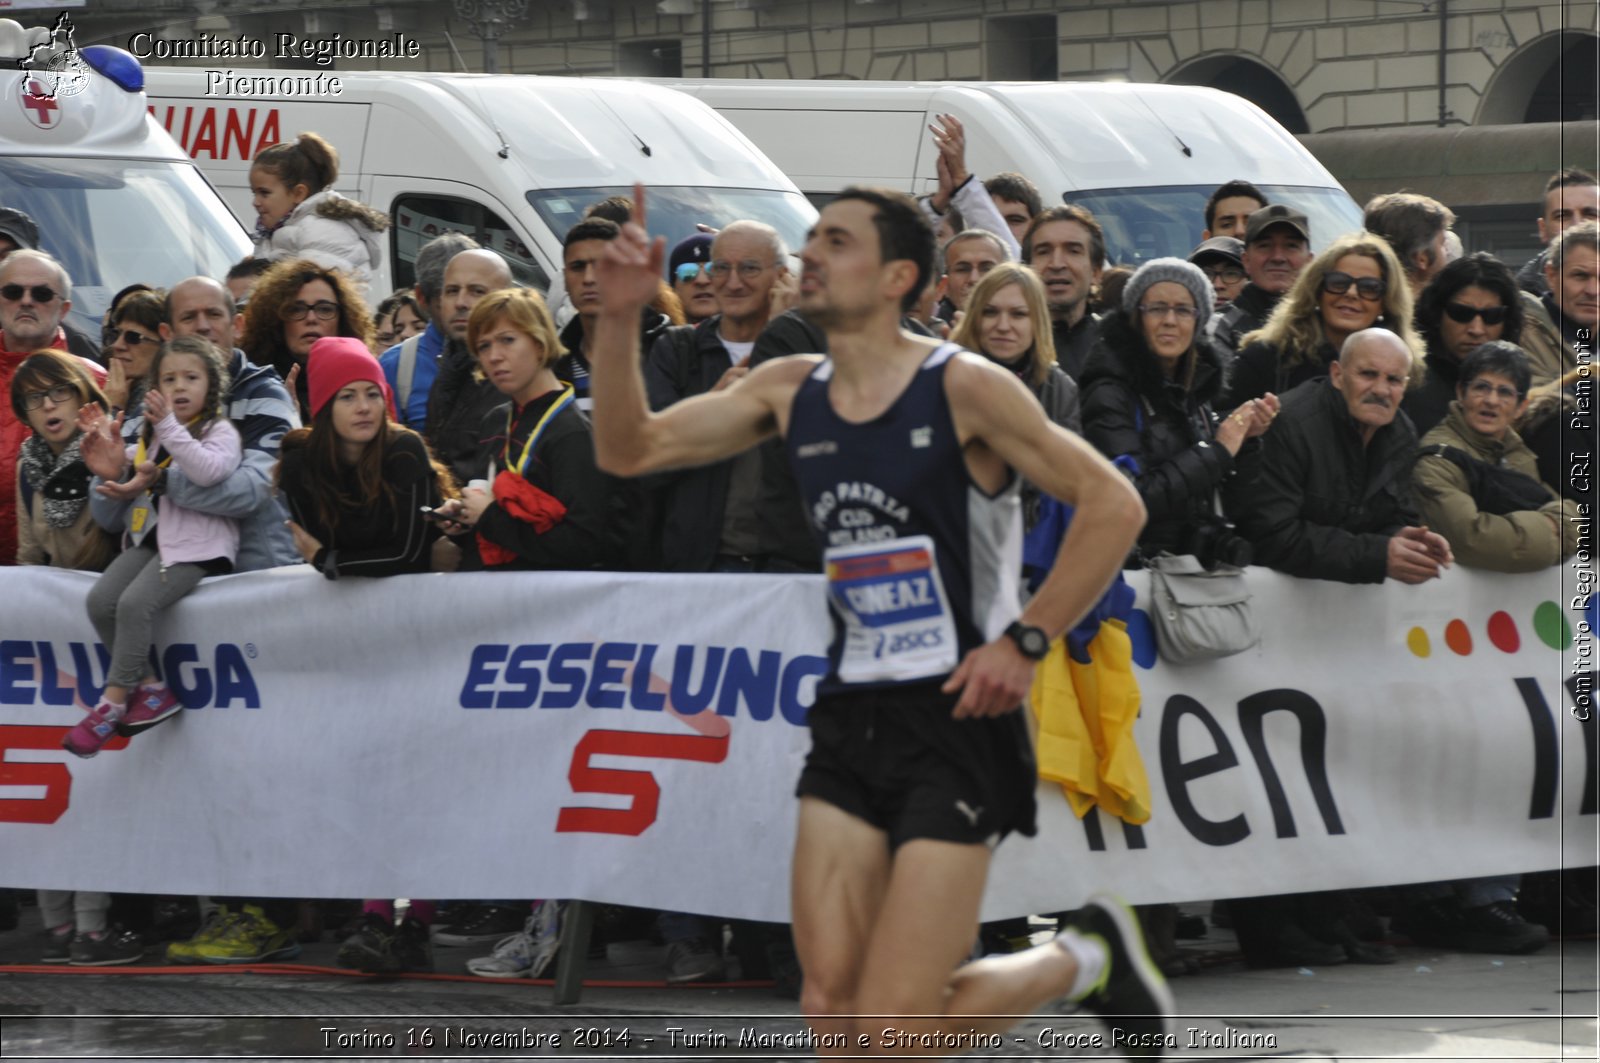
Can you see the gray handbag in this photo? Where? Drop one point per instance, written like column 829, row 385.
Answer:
column 1199, row 614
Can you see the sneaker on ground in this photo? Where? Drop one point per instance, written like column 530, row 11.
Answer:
column 1499, row 928
column 479, row 926
column 1131, row 997
column 249, row 938
column 148, row 707
column 94, row 730
column 111, row 948
column 693, row 961
column 184, row 952
column 512, row 956
column 367, row 945
column 405, row 951
column 55, row 947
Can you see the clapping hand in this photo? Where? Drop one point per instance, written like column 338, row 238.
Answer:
column 101, row 443
column 156, row 407
column 132, row 488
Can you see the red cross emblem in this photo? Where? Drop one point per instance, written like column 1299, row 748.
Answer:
column 38, row 106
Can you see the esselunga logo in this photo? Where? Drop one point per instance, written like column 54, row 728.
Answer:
column 646, row 677
column 68, row 673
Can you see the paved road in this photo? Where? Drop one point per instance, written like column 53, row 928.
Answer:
column 1427, row 1006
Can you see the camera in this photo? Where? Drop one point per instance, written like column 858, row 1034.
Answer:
column 1214, row 542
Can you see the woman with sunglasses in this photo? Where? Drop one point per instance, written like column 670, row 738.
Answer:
column 1470, row 302
column 1356, row 283
column 130, row 343
column 294, row 304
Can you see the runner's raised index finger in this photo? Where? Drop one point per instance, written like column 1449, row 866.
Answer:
column 638, row 207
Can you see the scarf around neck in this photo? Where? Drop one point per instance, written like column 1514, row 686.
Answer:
column 62, row 479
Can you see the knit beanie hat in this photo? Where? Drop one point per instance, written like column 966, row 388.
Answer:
column 1177, row 271
column 336, row 362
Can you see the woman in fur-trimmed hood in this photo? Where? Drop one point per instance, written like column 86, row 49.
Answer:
column 301, row 216
column 1147, row 393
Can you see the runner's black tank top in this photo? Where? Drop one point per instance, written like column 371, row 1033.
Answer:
column 922, row 564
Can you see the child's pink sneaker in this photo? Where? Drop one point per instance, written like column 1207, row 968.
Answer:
column 94, row 730
column 148, row 707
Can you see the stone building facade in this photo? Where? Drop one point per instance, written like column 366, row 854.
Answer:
column 1316, row 65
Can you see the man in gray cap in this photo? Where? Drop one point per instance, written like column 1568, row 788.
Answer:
column 1221, row 260
column 1277, row 246
column 17, row 232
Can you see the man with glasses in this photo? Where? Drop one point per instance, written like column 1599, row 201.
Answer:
column 34, row 297
column 709, row 515
column 1332, row 499
column 689, row 268
column 1221, row 259
column 1277, row 246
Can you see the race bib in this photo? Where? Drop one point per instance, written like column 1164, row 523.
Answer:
column 897, row 621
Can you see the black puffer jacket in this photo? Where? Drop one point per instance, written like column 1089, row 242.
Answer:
column 1429, row 403
column 1162, row 436
column 1261, row 368
column 1324, row 506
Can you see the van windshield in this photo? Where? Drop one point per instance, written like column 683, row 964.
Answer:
column 675, row 210
column 114, row 222
column 1145, row 223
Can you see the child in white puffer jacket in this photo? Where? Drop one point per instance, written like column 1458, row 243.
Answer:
column 301, row 216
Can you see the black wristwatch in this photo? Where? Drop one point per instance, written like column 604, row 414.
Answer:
column 1033, row 643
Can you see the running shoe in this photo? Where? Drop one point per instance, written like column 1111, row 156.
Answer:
column 149, row 706
column 250, row 938
column 217, row 923
column 1131, row 997
column 109, row 948
column 526, row 954
column 94, row 730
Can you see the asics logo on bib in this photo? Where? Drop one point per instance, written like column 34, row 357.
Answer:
column 49, row 673
column 645, row 677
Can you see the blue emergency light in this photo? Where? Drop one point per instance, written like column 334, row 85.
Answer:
column 120, row 66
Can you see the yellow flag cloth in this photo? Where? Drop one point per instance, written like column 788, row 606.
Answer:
column 1086, row 714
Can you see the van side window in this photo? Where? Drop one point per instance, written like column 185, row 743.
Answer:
column 418, row 219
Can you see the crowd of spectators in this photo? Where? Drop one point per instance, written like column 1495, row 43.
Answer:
column 1376, row 410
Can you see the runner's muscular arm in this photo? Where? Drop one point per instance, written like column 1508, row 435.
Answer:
column 993, row 408
column 628, row 439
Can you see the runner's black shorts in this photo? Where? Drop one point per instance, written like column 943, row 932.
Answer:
column 894, row 757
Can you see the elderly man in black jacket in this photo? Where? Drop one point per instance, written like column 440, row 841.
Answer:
column 1332, row 500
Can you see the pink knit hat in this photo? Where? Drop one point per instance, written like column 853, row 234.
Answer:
column 336, row 362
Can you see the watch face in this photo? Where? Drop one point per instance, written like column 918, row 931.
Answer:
column 1030, row 640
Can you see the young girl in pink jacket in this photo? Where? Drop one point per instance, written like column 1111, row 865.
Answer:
column 167, row 548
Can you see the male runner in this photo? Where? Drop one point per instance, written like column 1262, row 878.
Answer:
column 907, row 453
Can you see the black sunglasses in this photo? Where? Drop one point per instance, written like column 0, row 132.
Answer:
column 42, row 293
column 128, row 336
column 1461, row 313
column 1336, row 283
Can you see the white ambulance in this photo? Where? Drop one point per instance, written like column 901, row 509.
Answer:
column 511, row 160
column 1143, row 158
column 115, row 199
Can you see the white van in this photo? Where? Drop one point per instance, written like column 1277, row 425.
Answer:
column 116, row 201
column 510, row 160
column 1142, row 158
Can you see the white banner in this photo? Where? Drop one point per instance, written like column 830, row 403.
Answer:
column 636, row 739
